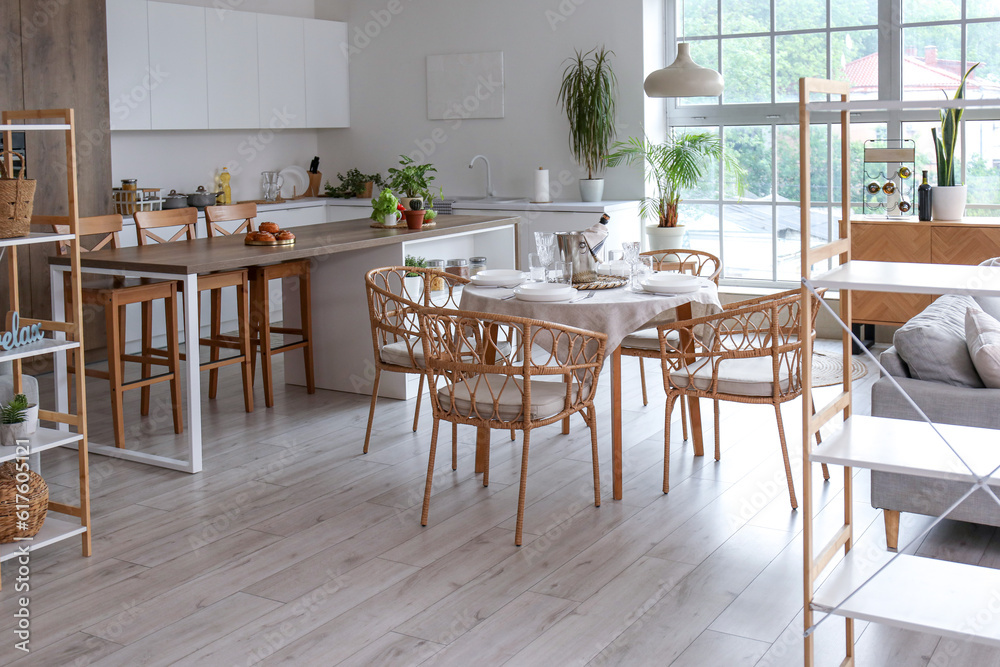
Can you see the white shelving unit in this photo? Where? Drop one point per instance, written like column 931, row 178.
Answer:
column 62, row 521
column 899, row 590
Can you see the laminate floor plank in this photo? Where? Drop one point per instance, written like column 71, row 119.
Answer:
column 392, row 650
column 717, row 648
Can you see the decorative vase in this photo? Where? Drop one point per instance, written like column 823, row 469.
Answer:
column 591, row 189
column 666, row 238
column 414, row 219
column 948, row 202
column 11, row 433
column 405, row 201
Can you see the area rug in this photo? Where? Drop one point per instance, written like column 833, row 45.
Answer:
column 828, row 369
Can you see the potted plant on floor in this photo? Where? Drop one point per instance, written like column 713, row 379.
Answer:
column 588, row 97
column 16, row 421
column 355, row 184
column 676, row 164
column 947, row 198
column 384, row 208
column 411, row 180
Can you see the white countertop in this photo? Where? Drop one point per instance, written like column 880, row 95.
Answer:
column 561, row 206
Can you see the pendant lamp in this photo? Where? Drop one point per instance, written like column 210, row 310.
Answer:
column 684, row 78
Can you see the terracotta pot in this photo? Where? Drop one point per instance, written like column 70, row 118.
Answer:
column 414, row 219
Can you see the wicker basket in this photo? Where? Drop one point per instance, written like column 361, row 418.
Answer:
column 17, row 196
column 37, row 500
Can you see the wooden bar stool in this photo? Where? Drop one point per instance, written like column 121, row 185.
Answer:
column 114, row 299
column 260, row 306
column 214, row 283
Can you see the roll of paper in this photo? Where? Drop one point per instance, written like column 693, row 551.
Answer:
column 541, row 186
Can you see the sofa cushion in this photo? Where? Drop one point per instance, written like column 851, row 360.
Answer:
column 982, row 336
column 990, row 304
column 933, row 345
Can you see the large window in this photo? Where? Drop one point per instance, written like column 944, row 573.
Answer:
column 762, row 47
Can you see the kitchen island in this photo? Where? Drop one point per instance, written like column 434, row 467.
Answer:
column 340, row 253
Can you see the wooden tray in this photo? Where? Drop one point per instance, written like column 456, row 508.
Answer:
column 270, row 243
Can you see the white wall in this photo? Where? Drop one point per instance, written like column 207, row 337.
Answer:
column 388, row 87
column 183, row 160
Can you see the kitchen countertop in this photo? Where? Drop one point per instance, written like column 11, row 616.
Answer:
column 205, row 255
column 560, row 206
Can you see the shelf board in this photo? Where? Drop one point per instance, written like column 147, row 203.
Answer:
column 911, row 448
column 911, row 278
column 42, row 439
column 919, row 594
column 44, row 346
column 14, row 127
column 57, row 527
column 36, row 237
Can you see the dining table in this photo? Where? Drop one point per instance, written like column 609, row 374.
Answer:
column 615, row 312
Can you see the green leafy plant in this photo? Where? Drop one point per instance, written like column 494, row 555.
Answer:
column 418, row 262
column 353, row 185
column 946, row 138
column 413, row 180
column 384, row 205
column 588, row 97
column 15, row 412
column 676, row 164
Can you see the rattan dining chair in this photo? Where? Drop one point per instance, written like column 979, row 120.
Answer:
column 393, row 303
column 748, row 353
column 643, row 344
column 486, row 380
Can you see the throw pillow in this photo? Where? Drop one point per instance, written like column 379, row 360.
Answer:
column 933, row 345
column 982, row 335
column 990, row 304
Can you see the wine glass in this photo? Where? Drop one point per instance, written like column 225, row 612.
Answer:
column 545, row 245
column 631, row 250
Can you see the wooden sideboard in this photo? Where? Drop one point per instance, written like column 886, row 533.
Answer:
column 968, row 241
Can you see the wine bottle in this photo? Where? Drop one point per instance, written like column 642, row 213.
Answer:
column 924, row 200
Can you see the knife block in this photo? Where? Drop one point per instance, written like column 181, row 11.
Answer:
column 315, row 181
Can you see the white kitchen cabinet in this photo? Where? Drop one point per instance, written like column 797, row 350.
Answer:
column 282, row 62
column 129, row 75
column 177, row 48
column 340, row 213
column 327, row 99
column 233, row 74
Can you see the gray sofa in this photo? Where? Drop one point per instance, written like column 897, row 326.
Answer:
column 943, row 403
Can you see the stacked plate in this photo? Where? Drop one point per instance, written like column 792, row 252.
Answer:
column 671, row 283
column 544, row 292
column 498, row 278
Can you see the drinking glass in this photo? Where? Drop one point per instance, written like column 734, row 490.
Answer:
column 562, row 273
column 643, row 270
column 536, row 268
column 271, row 183
column 545, row 246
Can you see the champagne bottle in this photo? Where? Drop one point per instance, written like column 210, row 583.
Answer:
column 924, row 200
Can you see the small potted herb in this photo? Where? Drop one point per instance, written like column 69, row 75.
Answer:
column 411, row 180
column 415, row 280
column 355, row 184
column 430, row 214
column 16, row 422
column 384, row 208
column 415, row 214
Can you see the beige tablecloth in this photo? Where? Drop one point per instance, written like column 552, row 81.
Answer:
column 615, row 312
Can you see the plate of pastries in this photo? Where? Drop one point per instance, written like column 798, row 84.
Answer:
column 270, row 234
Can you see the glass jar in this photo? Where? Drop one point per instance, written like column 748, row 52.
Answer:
column 437, row 282
column 476, row 264
column 458, row 267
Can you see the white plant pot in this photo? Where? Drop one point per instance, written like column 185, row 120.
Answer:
column 414, row 287
column 32, row 424
column 591, row 189
column 11, row 433
column 666, row 238
column 948, row 202
column 405, row 201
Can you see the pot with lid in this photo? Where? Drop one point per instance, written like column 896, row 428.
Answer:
column 201, row 198
column 175, row 200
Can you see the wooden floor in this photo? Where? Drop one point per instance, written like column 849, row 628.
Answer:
column 294, row 548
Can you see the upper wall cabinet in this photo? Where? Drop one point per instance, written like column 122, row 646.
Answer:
column 327, row 102
column 177, row 49
column 233, row 75
column 185, row 67
column 129, row 76
column 282, row 61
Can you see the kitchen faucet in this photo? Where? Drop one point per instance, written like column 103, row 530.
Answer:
column 489, row 178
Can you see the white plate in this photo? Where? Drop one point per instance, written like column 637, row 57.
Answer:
column 547, row 292
column 498, row 278
column 295, row 181
column 667, row 288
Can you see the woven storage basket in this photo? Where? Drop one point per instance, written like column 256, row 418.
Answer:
column 37, row 502
column 17, row 196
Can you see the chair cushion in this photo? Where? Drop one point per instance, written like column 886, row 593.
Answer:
column 982, row 335
column 547, row 398
column 741, row 377
column 398, row 354
column 647, row 339
column 933, row 344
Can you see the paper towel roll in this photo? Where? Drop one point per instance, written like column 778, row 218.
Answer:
column 541, row 186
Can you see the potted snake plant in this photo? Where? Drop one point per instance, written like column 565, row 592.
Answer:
column 948, row 197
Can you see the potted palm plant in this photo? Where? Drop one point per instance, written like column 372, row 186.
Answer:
column 672, row 166
column 948, row 199
column 588, row 97
column 410, row 180
column 18, row 420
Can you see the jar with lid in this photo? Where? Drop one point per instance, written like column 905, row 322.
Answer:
column 476, row 264
column 437, row 282
column 458, row 267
